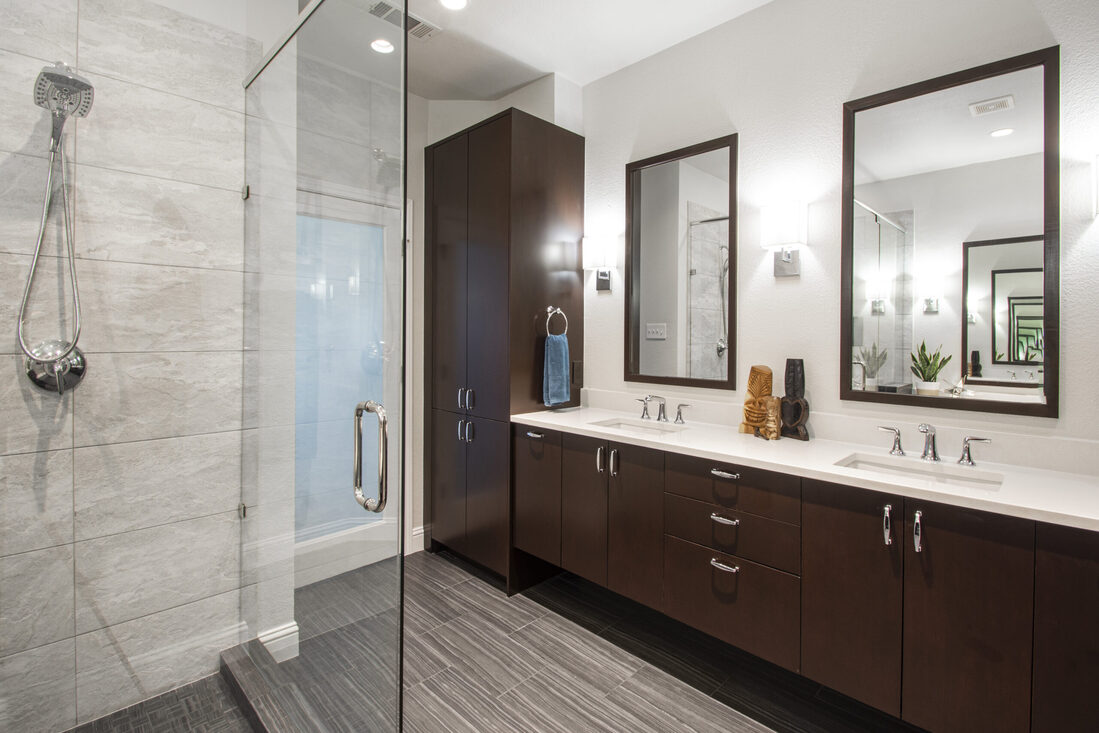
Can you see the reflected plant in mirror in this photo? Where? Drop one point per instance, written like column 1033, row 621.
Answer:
column 681, row 266
column 945, row 183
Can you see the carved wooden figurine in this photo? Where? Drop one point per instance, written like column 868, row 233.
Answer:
column 772, row 423
column 755, row 404
column 795, row 409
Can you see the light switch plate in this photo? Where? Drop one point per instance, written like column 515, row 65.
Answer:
column 656, row 331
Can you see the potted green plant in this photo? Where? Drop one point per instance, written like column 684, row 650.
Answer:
column 927, row 367
column 872, row 361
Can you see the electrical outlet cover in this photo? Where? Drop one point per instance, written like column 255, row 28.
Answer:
column 656, row 331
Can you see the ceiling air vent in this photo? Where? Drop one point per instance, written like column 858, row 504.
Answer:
column 419, row 29
column 987, row 107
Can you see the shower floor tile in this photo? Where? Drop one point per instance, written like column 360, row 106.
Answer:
column 205, row 706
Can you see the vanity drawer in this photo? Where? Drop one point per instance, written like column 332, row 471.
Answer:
column 763, row 540
column 756, row 608
column 765, row 493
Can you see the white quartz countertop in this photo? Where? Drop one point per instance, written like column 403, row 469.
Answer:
column 1030, row 493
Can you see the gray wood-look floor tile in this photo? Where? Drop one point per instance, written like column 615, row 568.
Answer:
column 496, row 661
column 570, row 650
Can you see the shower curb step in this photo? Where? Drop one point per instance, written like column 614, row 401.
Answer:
column 268, row 701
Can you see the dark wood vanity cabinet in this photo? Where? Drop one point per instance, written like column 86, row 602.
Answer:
column 584, row 507
column 1066, row 630
column 536, row 468
column 635, row 523
column 497, row 195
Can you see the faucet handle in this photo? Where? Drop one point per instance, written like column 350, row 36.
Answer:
column 645, row 407
column 679, row 413
column 926, row 428
column 967, row 457
column 897, row 450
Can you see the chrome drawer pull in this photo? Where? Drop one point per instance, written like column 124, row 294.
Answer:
column 469, row 398
column 887, row 524
column 917, row 532
column 614, row 464
column 725, row 474
column 469, row 428
column 599, row 459
column 536, row 436
column 460, row 424
column 723, row 567
column 724, row 520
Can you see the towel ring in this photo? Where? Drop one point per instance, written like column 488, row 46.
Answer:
column 550, row 313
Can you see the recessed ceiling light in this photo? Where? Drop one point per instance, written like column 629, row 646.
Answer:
column 1004, row 132
column 382, row 46
column 454, row 4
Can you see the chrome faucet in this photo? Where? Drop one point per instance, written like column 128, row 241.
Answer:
column 897, row 450
column 661, row 413
column 645, row 406
column 930, row 450
column 679, row 413
column 967, row 458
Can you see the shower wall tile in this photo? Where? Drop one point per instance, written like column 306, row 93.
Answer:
column 38, row 689
column 31, row 419
column 270, row 303
column 269, row 385
column 138, row 659
column 22, row 186
column 130, row 307
column 140, row 130
column 129, row 486
column 49, row 310
column 128, row 397
column 147, row 43
column 126, row 576
column 45, row 29
column 133, row 218
column 24, row 126
column 36, row 501
column 36, row 606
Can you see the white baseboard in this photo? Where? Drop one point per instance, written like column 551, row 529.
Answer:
column 332, row 554
column 281, row 641
column 416, row 541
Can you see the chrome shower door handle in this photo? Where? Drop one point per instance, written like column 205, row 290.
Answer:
column 369, row 503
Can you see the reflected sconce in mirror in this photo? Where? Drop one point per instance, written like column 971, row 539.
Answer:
column 784, row 230
column 598, row 257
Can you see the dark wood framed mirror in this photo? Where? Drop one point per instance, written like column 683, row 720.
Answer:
column 946, row 182
column 681, row 267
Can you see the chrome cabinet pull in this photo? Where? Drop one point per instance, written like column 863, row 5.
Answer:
column 460, row 424
column 723, row 567
column 917, row 532
column 369, row 503
column 599, row 459
column 724, row 520
column 469, row 398
column 887, row 524
column 614, row 463
column 725, row 474
column 469, row 431
column 460, row 391
column 536, row 436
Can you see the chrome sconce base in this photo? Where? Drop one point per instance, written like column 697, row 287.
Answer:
column 53, row 374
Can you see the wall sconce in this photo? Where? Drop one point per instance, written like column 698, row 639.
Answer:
column 930, row 305
column 877, row 306
column 784, row 230
column 597, row 256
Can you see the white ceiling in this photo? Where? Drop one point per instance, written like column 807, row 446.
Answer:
column 936, row 131
column 494, row 46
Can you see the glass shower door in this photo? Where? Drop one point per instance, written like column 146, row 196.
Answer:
column 323, row 374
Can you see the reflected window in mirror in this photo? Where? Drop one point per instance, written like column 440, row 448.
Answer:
column 950, row 235
column 681, row 266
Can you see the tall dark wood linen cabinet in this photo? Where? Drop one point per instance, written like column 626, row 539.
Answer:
column 504, row 221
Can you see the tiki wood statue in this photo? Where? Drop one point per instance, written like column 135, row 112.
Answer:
column 795, row 409
column 755, row 402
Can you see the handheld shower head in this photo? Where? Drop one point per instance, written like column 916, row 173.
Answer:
column 65, row 94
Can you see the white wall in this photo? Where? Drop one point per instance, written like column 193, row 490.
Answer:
column 779, row 76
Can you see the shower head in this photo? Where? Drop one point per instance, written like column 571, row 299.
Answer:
column 65, row 94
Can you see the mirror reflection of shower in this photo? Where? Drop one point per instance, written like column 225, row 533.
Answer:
column 708, row 295
column 56, row 364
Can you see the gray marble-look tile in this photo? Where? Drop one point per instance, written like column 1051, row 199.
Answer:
column 22, row 188
column 38, row 689
column 270, row 311
column 267, row 542
column 121, row 487
column 45, row 29
column 148, row 43
column 140, row 130
column 125, row 576
column 31, row 419
column 36, row 604
column 133, row 218
column 573, row 651
column 24, row 126
column 144, row 396
column 495, row 661
column 133, row 661
column 36, row 501
column 127, row 308
column 269, row 386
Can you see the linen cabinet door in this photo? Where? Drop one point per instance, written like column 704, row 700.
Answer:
column 584, row 507
column 968, row 619
column 488, row 477
column 536, row 468
column 635, row 524
column 448, row 192
column 852, row 583
column 448, row 480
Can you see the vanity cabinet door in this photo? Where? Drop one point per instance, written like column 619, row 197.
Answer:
column 487, row 488
column 968, row 619
column 1066, row 633
column 851, row 592
column 449, row 182
column 448, row 480
column 584, row 507
column 537, row 486
column 635, row 524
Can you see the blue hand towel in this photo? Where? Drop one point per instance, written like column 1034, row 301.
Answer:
column 555, row 376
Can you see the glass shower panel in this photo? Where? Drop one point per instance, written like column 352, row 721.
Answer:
column 324, row 322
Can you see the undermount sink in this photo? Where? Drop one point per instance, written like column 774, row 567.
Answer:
column 636, row 425
column 947, row 474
